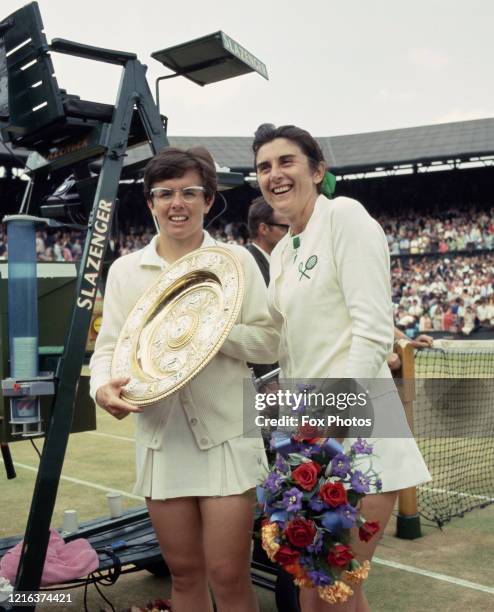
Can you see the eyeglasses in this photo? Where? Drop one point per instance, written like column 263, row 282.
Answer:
column 187, row 194
column 283, row 226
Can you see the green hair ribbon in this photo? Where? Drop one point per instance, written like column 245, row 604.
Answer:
column 328, row 185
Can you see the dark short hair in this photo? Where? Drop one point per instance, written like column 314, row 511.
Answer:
column 259, row 212
column 174, row 162
column 308, row 144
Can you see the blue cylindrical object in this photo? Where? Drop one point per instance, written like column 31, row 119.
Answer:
column 22, row 297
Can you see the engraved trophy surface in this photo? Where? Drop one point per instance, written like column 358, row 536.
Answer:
column 179, row 324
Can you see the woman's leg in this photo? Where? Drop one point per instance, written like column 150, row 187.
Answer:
column 227, row 531
column 374, row 508
column 178, row 527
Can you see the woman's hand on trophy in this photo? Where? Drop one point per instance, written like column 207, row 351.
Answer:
column 108, row 397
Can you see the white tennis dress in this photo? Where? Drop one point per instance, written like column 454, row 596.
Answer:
column 331, row 300
column 193, row 443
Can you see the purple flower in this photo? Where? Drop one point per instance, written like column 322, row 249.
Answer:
column 348, row 515
column 361, row 447
column 281, row 465
column 340, row 465
column 316, row 546
column 292, row 500
column 301, row 387
column 320, row 578
column 379, row 484
column 316, row 504
column 306, row 563
column 359, row 482
column 309, row 449
column 273, row 482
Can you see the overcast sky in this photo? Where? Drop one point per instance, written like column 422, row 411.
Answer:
column 335, row 67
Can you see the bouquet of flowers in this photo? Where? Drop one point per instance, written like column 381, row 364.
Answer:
column 311, row 498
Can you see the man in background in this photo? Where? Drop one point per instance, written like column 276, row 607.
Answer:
column 266, row 229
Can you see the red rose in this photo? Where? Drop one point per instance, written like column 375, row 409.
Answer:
column 300, row 532
column 307, row 433
column 286, row 556
column 306, row 474
column 368, row 530
column 302, row 438
column 333, row 494
column 340, row 555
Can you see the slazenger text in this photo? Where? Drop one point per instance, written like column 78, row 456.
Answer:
column 95, row 255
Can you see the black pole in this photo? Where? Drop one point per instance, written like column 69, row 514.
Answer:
column 7, row 461
column 133, row 90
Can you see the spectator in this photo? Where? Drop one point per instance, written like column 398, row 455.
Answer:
column 449, row 320
column 469, row 322
column 437, row 320
column 425, row 323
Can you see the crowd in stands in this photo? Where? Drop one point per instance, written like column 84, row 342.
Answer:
column 57, row 245
column 452, row 292
column 51, row 245
column 446, row 232
column 455, row 295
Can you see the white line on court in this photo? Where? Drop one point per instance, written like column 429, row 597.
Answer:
column 416, row 570
column 100, row 433
column 458, row 493
column 83, row 482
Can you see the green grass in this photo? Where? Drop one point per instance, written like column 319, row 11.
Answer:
column 463, row 549
column 105, row 461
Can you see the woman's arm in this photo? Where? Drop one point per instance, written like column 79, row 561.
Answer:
column 104, row 390
column 421, row 341
column 112, row 322
column 254, row 337
column 362, row 263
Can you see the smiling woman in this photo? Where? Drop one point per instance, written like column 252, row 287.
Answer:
column 290, row 172
column 179, row 189
column 194, row 466
column 334, row 261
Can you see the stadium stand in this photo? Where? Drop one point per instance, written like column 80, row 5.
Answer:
column 429, row 187
column 431, row 291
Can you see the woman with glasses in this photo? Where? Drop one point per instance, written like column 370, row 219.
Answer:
column 330, row 297
column 194, row 467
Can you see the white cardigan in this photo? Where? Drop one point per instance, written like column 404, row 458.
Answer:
column 337, row 318
column 213, row 400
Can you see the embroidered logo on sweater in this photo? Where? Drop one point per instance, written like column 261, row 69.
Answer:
column 308, row 265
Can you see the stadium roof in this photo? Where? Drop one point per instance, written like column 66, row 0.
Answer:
column 462, row 140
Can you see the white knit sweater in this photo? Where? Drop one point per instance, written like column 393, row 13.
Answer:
column 213, row 400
